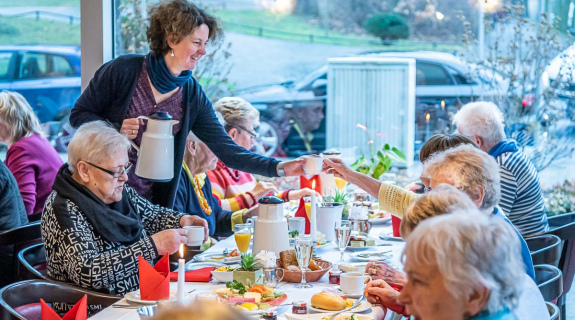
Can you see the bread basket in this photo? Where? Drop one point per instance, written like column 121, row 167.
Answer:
column 310, row 276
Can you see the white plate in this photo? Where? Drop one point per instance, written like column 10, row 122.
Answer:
column 371, row 258
column 362, row 248
column 352, row 296
column 363, row 306
column 380, row 220
column 209, row 257
column 134, row 296
column 319, row 316
column 388, row 236
column 191, row 265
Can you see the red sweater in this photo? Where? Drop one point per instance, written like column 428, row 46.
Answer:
column 34, row 163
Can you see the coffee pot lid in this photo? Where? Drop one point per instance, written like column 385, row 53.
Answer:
column 271, row 200
column 160, row 115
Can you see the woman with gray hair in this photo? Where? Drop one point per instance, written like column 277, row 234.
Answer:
column 30, row 157
column 465, row 167
column 95, row 226
column 521, row 196
column 462, row 266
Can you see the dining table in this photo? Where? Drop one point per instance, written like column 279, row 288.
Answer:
column 328, row 252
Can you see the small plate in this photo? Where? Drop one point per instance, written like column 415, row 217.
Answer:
column 363, row 306
column 352, row 296
column 371, row 258
column 380, row 220
column 319, row 316
column 362, row 248
column 191, row 265
column 214, row 257
column 388, row 236
column 134, row 296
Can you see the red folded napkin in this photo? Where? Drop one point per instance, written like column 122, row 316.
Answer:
column 396, row 287
column 307, row 183
column 303, row 214
column 154, row 281
column 78, row 312
column 200, row 275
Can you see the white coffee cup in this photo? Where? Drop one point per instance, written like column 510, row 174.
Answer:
column 313, row 164
column 195, row 235
column 353, row 282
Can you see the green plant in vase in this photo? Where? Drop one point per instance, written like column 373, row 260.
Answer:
column 250, row 271
column 377, row 163
column 342, row 197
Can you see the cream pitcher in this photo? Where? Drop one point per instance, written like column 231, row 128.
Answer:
column 156, row 152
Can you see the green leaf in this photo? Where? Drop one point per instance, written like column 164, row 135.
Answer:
column 379, row 170
column 386, row 147
column 399, row 153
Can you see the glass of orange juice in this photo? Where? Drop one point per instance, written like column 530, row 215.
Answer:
column 243, row 236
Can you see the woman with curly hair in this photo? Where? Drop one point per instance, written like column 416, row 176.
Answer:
column 161, row 81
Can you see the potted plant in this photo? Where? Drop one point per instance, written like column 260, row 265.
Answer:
column 250, row 271
column 340, row 196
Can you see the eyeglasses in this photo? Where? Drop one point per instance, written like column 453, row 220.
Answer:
column 115, row 174
column 253, row 135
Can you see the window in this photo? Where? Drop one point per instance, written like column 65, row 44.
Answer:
column 460, row 78
column 5, row 65
column 428, row 74
column 61, row 67
column 33, row 65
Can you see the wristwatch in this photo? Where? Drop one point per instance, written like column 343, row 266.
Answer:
column 280, row 169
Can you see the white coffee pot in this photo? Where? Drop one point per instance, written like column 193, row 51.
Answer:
column 156, row 152
column 271, row 228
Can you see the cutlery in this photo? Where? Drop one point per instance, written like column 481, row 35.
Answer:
column 367, row 255
column 357, row 302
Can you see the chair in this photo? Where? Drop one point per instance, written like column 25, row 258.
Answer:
column 32, row 263
column 549, row 281
column 545, row 249
column 15, row 240
column 563, row 226
column 554, row 313
column 21, row 300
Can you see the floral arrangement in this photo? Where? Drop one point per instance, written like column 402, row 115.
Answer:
column 560, row 199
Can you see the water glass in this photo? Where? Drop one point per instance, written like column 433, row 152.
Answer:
column 342, row 234
column 303, row 252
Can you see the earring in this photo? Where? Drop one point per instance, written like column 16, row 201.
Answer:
column 172, row 54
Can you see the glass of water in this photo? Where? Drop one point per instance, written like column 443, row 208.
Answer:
column 342, row 234
column 303, row 252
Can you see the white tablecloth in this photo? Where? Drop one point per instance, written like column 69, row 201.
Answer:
column 327, row 252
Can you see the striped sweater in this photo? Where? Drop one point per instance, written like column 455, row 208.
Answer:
column 521, row 197
column 232, row 188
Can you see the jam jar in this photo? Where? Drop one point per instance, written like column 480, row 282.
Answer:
column 271, row 314
column 299, row 307
column 334, row 276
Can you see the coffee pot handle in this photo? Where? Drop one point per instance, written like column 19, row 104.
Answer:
column 135, row 146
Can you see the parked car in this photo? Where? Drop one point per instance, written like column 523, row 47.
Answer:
column 292, row 113
column 47, row 76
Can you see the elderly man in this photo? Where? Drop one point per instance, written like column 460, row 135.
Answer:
column 521, row 198
column 465, row 167
column 95, row 226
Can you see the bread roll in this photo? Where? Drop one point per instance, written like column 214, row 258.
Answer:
column 313, row 266
column 288, row 258
column 328, row 301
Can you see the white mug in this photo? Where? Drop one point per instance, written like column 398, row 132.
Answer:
column 353, row 282
column 313, row 164
column 195, row 235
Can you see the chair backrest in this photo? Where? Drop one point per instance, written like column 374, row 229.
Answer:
column 12, row 241
column 545, row 249
column 31, row 291
column 563, row 226
column 554, row 313
column 32, row 263
column 549, row 281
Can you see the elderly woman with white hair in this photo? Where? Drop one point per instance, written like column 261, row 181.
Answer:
column 521, row 197
column 465, row 167
column 95, row 226
column 443, row 199
column 194, row 194
column 462, row 266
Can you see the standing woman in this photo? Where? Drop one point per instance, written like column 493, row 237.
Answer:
column 133, row 85
column 30, row 157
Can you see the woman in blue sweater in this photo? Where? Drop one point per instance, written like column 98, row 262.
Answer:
column 134, row 85
column 194, row 194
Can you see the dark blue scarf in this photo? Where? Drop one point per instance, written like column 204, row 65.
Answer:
column 503, row 147
column 161, row 77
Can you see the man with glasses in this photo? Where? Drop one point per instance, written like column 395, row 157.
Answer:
column 95, row 226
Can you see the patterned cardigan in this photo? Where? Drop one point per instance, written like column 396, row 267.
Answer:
column 75, row 253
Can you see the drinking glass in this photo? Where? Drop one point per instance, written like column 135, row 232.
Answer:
column 303, row 252
column 243, row 236
column 342, row 234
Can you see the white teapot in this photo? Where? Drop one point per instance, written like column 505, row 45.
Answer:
column 156, row 151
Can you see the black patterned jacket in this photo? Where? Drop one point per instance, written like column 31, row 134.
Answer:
column 75, row 253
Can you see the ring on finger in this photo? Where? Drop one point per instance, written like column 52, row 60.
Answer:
column 133, row 131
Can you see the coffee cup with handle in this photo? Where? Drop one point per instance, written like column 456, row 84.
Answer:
column 313, row 164
column 353, row 282
column 195, row 235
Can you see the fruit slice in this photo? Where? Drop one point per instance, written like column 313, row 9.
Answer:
column 277, row 301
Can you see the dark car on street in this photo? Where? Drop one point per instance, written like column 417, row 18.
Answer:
column 47, row 76
column 292, row 113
